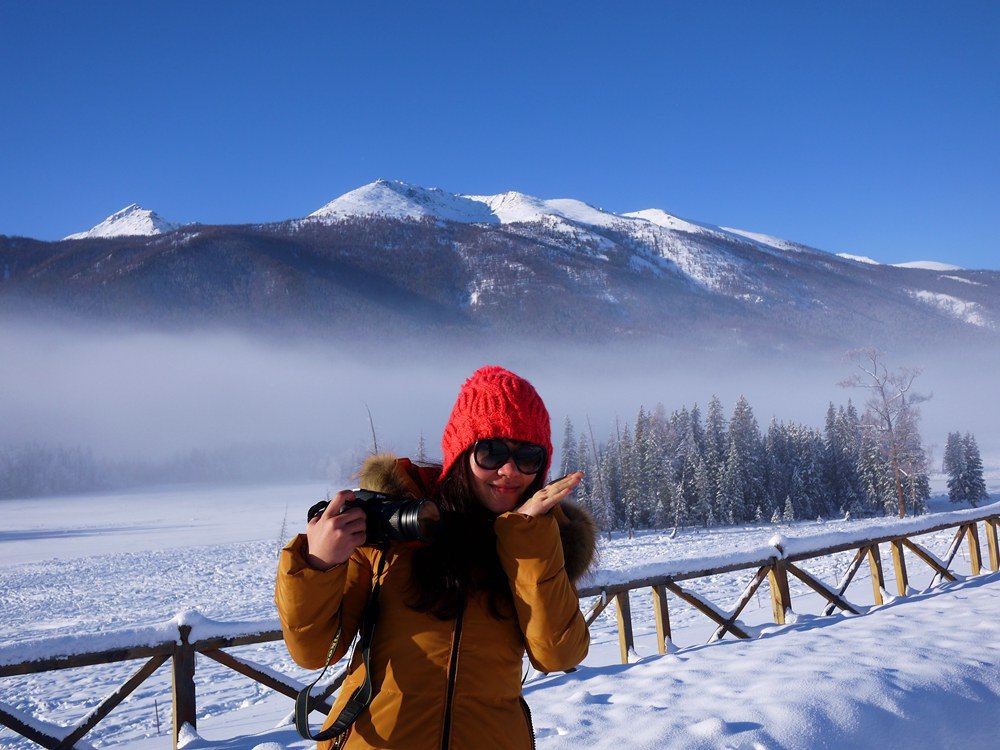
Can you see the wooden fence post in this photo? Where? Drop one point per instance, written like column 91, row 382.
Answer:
column 625, row 642
column 878, row 580
column 991, row 542
column 662, row 616
column 183, row 684
column 899, row 565
column 975, row 560
column 781, row 599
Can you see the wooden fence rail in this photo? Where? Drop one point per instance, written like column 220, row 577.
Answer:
column 180, row 651
column 777, row 568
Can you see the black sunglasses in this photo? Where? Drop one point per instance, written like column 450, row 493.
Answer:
column 492, row 453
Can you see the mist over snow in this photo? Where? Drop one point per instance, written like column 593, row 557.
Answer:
column 153, row 395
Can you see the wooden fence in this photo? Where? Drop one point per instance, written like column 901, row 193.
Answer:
column 776, row 569
column 180, row 651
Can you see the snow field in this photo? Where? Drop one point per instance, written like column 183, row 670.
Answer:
column 101, row 591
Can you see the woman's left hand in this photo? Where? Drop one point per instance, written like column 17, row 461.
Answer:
column 550, row 495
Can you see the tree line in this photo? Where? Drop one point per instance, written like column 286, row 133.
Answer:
column 37, row 469
column 683, row 468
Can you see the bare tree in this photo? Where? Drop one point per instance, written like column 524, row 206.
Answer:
column 892, row 406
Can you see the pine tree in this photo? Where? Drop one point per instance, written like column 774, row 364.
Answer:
column 701, row 511
column 876, row 480
column 848, row 432
column 421, row 449
column 731, row 487
column 972, row 478
column 642, row 462
column 954, row 466
column 715, row 447
column 744, row 435
column 585, row 491
column 789, row 515
column 629, row 480
column 570, row 458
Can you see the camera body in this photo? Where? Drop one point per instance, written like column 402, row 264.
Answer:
column 389, row 518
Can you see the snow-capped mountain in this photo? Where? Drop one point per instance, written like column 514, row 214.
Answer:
column 389, row 255
column 133, row 220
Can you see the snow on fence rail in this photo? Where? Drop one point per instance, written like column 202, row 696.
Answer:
column 189, row 633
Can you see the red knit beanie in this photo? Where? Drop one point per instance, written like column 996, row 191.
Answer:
column 495, row 402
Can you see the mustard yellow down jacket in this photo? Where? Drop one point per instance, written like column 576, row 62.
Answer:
column 442, row 684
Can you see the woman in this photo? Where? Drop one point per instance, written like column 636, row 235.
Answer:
column 456, row 616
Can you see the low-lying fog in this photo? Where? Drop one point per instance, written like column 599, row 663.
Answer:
column 152, row 396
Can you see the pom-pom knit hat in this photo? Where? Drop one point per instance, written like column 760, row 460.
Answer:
column 495, row 402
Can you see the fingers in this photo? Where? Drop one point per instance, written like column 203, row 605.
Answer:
column 570, row 480
column 337, row 502
column 350, row 522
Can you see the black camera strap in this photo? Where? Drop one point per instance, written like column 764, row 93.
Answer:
column 362, row 696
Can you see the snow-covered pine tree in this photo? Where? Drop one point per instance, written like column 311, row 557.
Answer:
column 570, row 458
column 731, row 486
column 664, row 511
column 972, row 478
column 697, row 430
column 832, row 463
column 687, row 504
column 777, row 466
column 715, row 446
column 954, row 467
column 629, row 485
column 912, row 459
column 744, row 435
column 814, row 490
column 876, row 482
column 680, row 506
column 641, row 463
column 701, row 511
column 848, row 432
column 789, row 513
column 611, row 474
column 421, row 449
column 585, row 490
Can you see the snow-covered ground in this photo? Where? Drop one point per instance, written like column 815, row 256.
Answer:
column 100, row 564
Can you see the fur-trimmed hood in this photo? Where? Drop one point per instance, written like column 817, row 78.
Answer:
column 385, row 472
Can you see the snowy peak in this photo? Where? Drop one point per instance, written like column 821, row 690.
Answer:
column 859, row 259
column 668, row 221
column 399, row 200
column 131, row 220
column 929, row 265
column 512, row 207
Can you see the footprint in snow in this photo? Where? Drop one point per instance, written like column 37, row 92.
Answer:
column 584, row 696
column 718, row 728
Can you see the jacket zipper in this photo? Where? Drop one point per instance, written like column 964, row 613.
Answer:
column 527, row 715
column 452, row 672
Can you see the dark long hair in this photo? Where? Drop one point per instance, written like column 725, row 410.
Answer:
column 463, row 559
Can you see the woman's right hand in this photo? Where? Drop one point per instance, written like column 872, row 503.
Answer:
column 333, row 535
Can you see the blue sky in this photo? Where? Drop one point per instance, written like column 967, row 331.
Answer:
column 859, row 127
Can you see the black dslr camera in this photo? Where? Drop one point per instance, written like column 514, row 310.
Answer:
column 389, row 518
